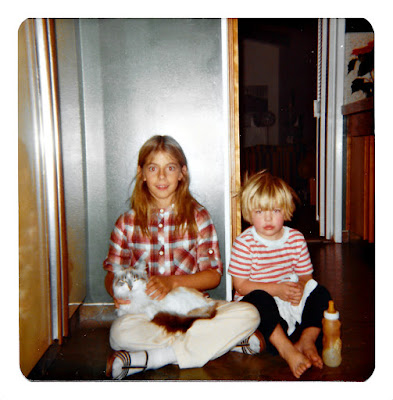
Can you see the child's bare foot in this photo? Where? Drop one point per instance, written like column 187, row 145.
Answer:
column 310, row 351
column 306, row 345
column 297, row 361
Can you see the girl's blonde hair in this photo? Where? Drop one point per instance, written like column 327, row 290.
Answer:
column 264, row 191
column 142, row 201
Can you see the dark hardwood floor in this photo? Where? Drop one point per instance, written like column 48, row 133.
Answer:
column 347, row 270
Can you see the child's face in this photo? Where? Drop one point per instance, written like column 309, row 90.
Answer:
column 268, row 224
column 162, row 174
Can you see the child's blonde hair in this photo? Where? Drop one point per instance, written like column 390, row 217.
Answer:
column 264, row 191
column 142, row 201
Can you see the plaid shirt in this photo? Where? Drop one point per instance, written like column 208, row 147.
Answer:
column 164, row 252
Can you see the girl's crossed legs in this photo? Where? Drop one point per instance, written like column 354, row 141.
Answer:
column 205, row 340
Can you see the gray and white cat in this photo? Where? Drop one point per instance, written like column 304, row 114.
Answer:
column 177, row 311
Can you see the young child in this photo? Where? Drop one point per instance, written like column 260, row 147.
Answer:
column 175, row 236
column 271, row 269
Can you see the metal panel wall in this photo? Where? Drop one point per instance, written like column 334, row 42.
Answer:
column 140, row 78
column 72, row 141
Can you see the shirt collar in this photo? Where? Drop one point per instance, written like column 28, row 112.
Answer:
column 271, row 243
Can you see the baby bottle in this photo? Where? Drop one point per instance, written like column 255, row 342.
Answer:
column 331, row 352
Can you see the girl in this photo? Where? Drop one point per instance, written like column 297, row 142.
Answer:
column 176, row 238
column 271, row 269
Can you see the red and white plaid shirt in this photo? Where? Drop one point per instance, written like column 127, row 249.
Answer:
column 165, row 253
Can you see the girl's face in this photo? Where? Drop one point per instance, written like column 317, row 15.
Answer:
column 268, row 224
column 162, row 174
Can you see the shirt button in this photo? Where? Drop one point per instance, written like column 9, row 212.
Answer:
column 161, row 211
column 160, row 225
column 211, row 251
column 161, row 253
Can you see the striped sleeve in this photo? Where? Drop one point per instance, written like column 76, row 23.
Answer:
column 241, row 262
column 304, row 265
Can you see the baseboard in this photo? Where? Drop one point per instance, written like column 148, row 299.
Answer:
column 345, row 236
column 96, row 315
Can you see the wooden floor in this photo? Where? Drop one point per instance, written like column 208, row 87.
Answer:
column 347, row 270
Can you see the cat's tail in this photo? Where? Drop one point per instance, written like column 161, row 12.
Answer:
column 174, row 323
column 204, row 312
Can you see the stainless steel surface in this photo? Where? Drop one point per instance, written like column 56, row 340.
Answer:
column 138, row 78
column 72, row 142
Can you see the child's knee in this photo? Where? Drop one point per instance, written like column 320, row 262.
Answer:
column 323, row 295
column 260, row 298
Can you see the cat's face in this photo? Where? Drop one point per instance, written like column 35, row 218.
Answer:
column 121, row 287
column 126, row 281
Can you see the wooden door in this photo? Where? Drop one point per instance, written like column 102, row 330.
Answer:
column 43, row 268
column 35, row 334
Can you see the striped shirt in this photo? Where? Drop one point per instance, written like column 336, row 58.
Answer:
column 269, row 261
column 164, row 252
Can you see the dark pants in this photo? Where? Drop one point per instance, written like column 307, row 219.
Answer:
column 316, row 303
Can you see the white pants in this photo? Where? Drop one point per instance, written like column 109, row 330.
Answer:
column 205, row 340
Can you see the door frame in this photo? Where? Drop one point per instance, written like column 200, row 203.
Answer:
column 330, row 97
column 52, row 171
column 329, row 126
column 234, row 130
column 230, row 67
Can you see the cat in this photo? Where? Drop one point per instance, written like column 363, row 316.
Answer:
column 176, row 312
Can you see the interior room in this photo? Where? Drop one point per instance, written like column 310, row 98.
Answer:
column 240, row 95
column 278, row 84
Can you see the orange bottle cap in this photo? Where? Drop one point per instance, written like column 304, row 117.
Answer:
column 331, row 308
column 331, row 312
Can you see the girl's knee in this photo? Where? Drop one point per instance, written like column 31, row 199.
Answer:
column 245, row 312
column 251, row 312
column 125, row 331
column 116, row 334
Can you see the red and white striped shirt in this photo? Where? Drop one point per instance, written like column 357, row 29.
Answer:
column 269, row 261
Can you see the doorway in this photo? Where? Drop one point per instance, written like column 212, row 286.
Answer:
column 277, row 87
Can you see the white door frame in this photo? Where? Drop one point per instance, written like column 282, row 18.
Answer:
column 331, row 50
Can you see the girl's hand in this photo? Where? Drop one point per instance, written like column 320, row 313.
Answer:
column 159, row 286
column 118, row 302
column 289, row 291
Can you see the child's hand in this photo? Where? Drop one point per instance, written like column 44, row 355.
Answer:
column 290, row 291
column 159, row 286
column 118, row 302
